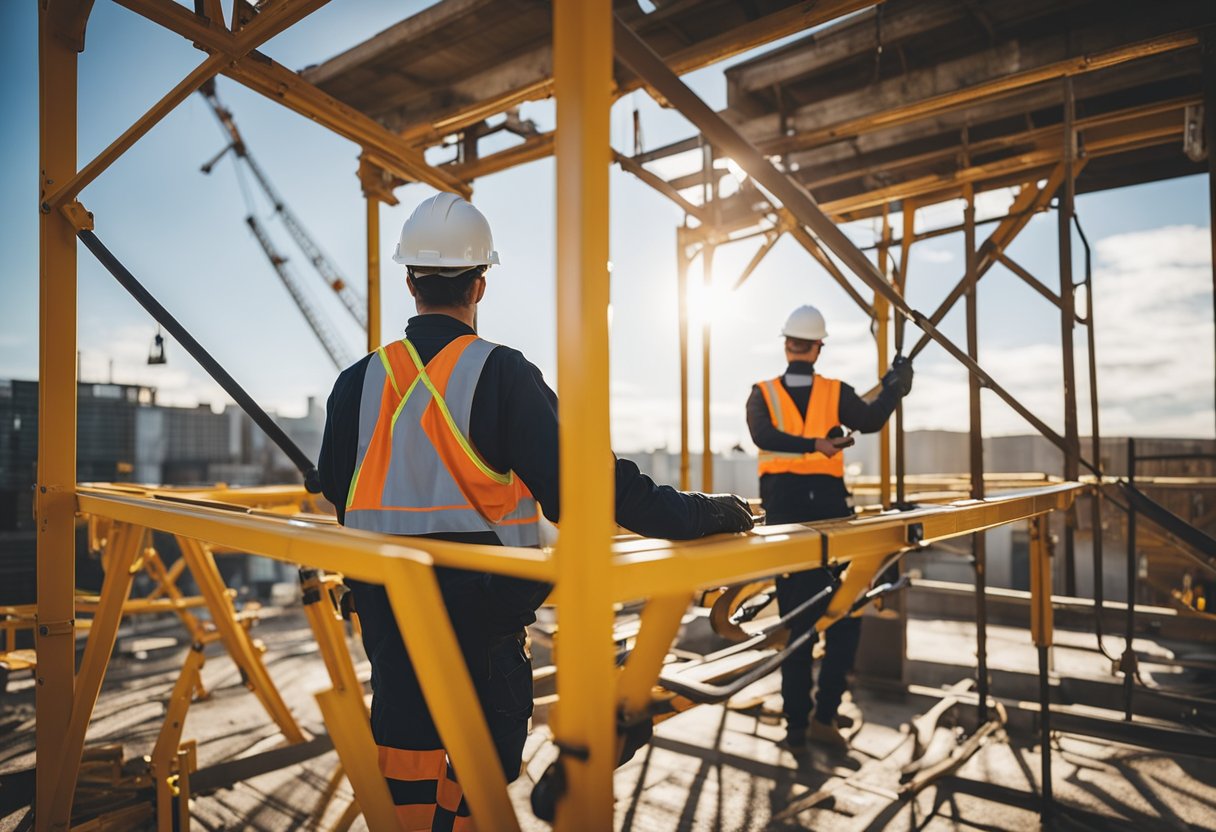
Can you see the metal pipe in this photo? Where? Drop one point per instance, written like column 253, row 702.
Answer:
column 162, row 316
column 707, row 454
column 1128, row 662
column 1046, row 794
column 682, row 262
column 1095, row 498
column 979, row 541
column 882, row 317
column 1072, row 448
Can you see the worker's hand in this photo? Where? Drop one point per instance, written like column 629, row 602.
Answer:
column 726, row 513
column 827, row 447
column 899, row 376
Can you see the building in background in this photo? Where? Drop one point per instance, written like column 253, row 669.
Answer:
column 125, row 436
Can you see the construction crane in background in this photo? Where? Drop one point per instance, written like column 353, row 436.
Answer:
column 354, row 302
column 326, row 335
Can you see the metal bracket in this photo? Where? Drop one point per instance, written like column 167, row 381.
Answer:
column 75, row 213
column 57, row 628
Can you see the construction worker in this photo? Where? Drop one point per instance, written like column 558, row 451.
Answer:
column 443, row 434
column 795, row 420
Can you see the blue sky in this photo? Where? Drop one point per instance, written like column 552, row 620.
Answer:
column 183, row 234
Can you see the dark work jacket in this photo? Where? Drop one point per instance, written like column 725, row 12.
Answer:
column 803, row 498
column 513, row 426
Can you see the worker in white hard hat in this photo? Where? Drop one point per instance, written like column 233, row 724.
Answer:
column 447, row 435
column 797, row 421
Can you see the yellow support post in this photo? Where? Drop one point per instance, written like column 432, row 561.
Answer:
column 373, row 273
column 427, row 630
column 660, row 623
column 165, row 752
column 345, row 711
column 124, row 544
column 236, row 639
column 55, row 498
column 584, row 719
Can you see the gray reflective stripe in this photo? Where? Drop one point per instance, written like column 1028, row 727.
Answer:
column 417, row 477
column 387, row 521
column 526, row 508
column 775, row 404
column 463, row 382
column 369, row 402
column 763, row 455
column 523, row 534
column 426, row 521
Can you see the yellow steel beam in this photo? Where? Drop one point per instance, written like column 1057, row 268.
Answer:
column 125, row 544
column 345, row 711
column 1041, row 615
column 360, row 555
column 278, row 83
column 164, row 753
column 660, row 622
column 54, row 499
column 582, row 69
column 276, row 17
column 426, row 628
column 645, row 568
column 236, row 638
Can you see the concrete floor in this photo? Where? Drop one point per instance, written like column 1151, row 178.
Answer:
column 711, row 768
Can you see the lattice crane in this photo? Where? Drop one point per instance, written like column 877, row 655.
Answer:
column 351, row 299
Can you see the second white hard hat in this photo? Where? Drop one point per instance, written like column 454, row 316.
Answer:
column 445, row 232
column 805, row 322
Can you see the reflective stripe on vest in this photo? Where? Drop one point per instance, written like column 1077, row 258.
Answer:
column 417, row 473
column 822, row 414
column 424, row 789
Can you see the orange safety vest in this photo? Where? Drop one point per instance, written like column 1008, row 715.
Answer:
column 416, row 471
column 823, row 414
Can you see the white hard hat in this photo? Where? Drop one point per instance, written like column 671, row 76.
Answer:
column 805, row 322
column 443, row 233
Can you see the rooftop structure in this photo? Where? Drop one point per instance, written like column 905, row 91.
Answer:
column 886, row 111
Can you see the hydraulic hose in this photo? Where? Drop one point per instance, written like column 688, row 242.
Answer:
column 261, row 418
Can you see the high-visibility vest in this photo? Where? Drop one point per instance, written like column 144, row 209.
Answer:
column 417, row 472
column 822, row 414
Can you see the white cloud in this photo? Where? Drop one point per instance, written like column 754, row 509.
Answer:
column 1154, row 345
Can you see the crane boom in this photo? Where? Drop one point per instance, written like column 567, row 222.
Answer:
column 329, row 339
column 354, row 302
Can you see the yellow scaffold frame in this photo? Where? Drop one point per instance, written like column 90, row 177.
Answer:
column 590, row 571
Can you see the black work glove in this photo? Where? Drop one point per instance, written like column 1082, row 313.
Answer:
column 724, row 513
column 899, row 376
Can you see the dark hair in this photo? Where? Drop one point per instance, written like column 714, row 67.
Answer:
column 799, row 345
column 437, row 290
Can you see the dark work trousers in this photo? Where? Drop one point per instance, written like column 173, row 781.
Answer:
column 796, row 498
column 424, row 789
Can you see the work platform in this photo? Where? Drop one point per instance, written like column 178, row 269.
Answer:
column 944, row 80
column 715, row 767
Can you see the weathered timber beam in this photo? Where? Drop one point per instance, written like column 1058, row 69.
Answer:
column 659, row 184
column 529, row 150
